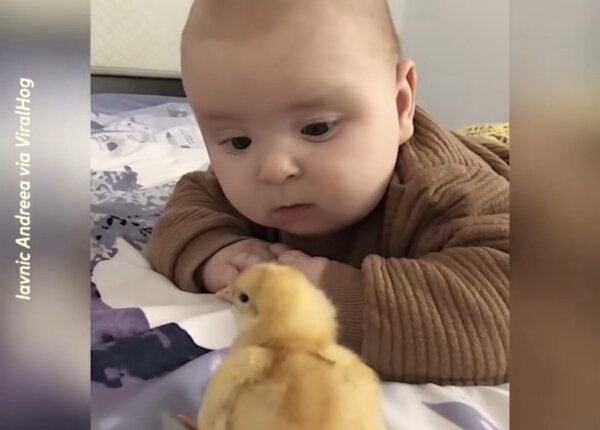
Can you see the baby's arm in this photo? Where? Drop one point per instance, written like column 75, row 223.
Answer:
column 196, row 222
column 441, row 316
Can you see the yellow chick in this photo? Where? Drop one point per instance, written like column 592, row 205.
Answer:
column 285, row 370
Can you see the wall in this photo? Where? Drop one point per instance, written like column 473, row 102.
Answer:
column 137, row 37
column 461, row 49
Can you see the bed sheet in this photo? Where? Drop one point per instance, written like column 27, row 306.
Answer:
column 154, row 346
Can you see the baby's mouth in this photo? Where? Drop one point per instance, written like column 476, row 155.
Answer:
column 292, row 212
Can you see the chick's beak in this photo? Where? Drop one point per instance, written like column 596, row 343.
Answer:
column 225, row 294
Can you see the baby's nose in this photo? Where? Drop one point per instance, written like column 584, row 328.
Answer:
column 276, row 168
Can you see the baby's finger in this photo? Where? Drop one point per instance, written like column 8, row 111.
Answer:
column 220, row 277
column 262, row 249
column 291, row 257
column 278, row 248
column 244, row 260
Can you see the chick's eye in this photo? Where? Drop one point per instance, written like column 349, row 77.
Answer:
column 239, row 143
column 244, row 298
column 317, row 129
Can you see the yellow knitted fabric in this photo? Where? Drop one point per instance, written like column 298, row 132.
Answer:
column 494, row 131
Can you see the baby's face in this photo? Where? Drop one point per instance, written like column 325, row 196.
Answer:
column 301, row 125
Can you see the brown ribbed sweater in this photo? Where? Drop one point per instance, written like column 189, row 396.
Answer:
column 421, row 285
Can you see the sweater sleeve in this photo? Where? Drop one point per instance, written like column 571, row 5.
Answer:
column 196, row 222
column 440, row 315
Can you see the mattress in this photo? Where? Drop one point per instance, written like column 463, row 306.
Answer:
column 154, row 346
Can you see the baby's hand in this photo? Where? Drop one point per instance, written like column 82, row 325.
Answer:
column 226, row 264
column 312, row 267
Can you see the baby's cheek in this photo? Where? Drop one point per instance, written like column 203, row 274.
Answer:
column 243, row 199
column 341, row 190
column 237, row 191
column 358, row 187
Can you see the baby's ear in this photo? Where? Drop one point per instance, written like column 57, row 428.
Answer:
column 406, row 86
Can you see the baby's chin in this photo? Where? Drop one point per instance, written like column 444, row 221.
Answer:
column 307, row 227
column 310, row 228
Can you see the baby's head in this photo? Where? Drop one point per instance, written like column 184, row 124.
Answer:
column 302, row 105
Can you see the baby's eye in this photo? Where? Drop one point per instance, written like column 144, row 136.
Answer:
column 317, row 129
column 239, row 143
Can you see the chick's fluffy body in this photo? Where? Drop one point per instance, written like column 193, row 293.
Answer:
column 285, row 370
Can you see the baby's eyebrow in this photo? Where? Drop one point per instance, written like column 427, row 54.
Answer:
column 218, row 116
column 317, row 100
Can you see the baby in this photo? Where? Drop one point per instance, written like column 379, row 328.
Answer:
column 321, row 160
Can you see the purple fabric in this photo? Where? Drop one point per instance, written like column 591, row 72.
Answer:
column 148, row 405
column 109, row 324
column 127, row 356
